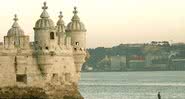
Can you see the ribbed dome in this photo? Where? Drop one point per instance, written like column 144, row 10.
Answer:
column 60, row 24
column 45, row 21
column 15, row 30
column 75, row 25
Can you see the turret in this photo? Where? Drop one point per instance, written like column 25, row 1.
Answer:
column 77, row 31
column 45, row 34
column 61, row 30
column 45, row 42
column 15, row 37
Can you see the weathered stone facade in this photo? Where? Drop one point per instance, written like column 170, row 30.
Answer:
column 54, row 58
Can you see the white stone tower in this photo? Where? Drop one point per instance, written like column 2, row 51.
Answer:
column 77, row 31
column 15, row 37
column 45, row 41
column 45, row 34
column 61, row 33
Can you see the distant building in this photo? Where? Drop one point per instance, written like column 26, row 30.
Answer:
column 136, row 62
column 178, row 64
column 117, row 63
column 113, row 63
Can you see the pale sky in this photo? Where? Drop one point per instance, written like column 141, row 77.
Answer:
column 108, row 22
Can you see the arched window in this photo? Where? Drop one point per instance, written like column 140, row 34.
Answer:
column 52, row 36
column 77, row 43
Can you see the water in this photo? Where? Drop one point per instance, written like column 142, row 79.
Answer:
column 133, row 85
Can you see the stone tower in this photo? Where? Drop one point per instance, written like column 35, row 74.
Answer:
column 77, row 31
column 61, row 33
column 45, row 39
column 45, row 34
column 15, row 37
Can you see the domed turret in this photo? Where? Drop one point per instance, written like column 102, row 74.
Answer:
column 60, row 24
column 45, row 42
column 61, row 30
column 15, row 30
column 75, row 25
column 45, row 35
column 15, row 37
column 77, row 31
column 45, row 21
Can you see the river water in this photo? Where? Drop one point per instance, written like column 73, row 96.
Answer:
column 133, row 85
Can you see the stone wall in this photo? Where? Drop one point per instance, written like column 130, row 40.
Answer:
column 62, row 67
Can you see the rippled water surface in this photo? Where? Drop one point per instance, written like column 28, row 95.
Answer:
column 133, row 85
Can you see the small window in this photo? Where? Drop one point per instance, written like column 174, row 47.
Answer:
column 52, row 36
column 77, row 43
column 47, row 48
column 55, row 77
column 21, row 78
column 75, row 49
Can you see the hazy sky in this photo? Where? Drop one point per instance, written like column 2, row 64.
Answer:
column 108, row 22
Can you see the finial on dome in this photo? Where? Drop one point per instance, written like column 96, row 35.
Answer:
column 75, row 17
column 44, row 13
column 15, row 24
column 60, row 16
column 15, row 17
column 75, row 10
column 60, row 21
column 45, row 7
